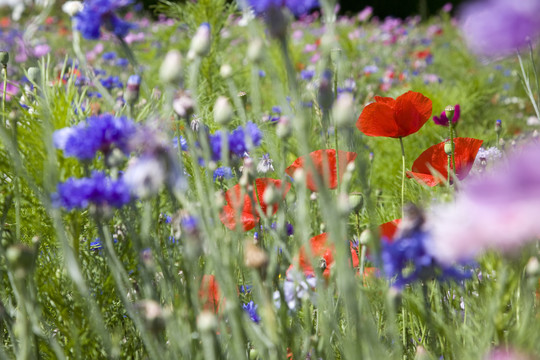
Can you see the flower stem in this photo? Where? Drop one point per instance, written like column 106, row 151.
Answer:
column 453, row 173
column 402, row 173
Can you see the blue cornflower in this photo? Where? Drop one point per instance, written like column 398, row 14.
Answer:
column 111, row 82
column 245, row 289
column 307, row 74
column 111, row 55
column 240, row 140
column 122, row 62
column 97, row 189
column 288, row 226
column 96, row 244
column 251, row 309
column 189, row 224
column 223, row 172
column 97, row 133
column 262, row 73
column 297, row 7
column 183, row 143
column 97, row 13
column 412, row 249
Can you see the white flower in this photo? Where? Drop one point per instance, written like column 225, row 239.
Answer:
column 145, row 176
column 72, row 7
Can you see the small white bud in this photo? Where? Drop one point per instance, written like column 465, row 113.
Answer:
column 201, row 41
column 171, row 70
column 254, row 51
column 225, row 71
column 72, row 8
column 343, row 110
column 223, row 111
column 206, row 322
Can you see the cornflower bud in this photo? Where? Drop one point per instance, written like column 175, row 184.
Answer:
column 4, row 58
column 223, row 111
column 201, row 41
column 171, row 70
column 132, row 89
column 498, row 126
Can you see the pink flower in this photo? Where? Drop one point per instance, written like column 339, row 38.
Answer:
column 497, row 211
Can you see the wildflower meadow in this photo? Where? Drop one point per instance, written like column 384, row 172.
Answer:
column 269, row 179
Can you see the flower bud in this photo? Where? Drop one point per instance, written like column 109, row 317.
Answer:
column 223, row 111
column 270, row 195
column 533, row 266
column 225, row 71
column 343, row 110
column 449, row 111
column 201, row 41
column 283, row 128
column 254, row 256
column 356, row 201
column 498, row 126
column 132, row 89
column 448, row 148
column 152, row 314
column 206, row 322
column 183, row 105
column 254, row 51
column 72, row 8
column 33, row 74
column 326, row 95
column 21, row 259
column 4, row 58
column 171, row 70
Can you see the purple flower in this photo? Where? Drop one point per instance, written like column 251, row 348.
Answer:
column 443, row 120
column 97, row 189
column 240, row 140
column 97, row 133
column 223, row 172
column 500, row 27
column 111, row 82
column 97, row 13
column 297, row 7
column 183, row 143
column 251, row 309
column 496, row 211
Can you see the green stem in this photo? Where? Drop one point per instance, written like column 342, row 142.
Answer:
column 453, row 149
column 402, row 173
column 4, row 71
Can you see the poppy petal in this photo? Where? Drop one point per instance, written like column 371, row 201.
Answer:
column 228, row 218
column 385, row 100
column 377, row 119
column 466, row 150
column 389, row 229
column 412, row 111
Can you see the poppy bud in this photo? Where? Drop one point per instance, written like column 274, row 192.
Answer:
column 171, row 70
column 449, row 111
column 201, row 41
column 206, row 322
column 533, row 267
column 132, row 89
column 152, row 314
column 254, row 51
column 225, row 71
column 4, row 58
column 270, row 195
column 223, row 111
column 343, row 110
column 365, row 237
column 356, row 201
column 33, row 74
column 448, row 148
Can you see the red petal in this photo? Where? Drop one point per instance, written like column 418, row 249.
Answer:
column 228, row 218
column 465, row 153
column 262, row 184
column 324, row 162
column 385, row 100
column 388, row 229
column 377, row 119
column 412, row 111
column 209, row 293
column 434, row 160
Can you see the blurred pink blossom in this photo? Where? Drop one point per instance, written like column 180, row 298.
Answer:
column 496, row 211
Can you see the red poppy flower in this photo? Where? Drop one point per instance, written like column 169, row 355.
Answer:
column 321, row 249
column 395, row 118
column 389, row 229
column 325, row 165
column 431, row 167
column 248, row 212
column 209, row 293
